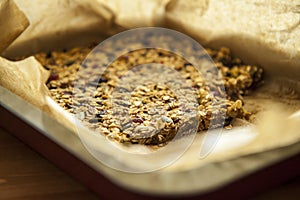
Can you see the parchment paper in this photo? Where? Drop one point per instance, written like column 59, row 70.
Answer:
column 259, row 32
column 27, row 79
column 12, row 23
column 58, row 24
column 137, row 13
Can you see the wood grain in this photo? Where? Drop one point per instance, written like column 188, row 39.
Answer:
column 24, row 174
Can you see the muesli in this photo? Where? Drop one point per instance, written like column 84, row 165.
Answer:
column 136, row 110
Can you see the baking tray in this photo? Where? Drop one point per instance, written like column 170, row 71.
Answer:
column 62, row 147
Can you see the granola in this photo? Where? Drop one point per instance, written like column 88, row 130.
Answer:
column 133, row 104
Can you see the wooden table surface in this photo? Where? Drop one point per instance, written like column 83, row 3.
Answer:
column 24, row 174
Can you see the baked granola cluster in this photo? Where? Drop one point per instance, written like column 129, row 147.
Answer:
column 133, row 101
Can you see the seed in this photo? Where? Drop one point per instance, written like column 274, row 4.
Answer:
column 123, row 90
column 70, row 62
column 166, row 119
column 138, row 119
column 166, row 98
column 238, row 104
column 126, row 126
column 189, row 68
column 113, row 125
column 65, row 96
column 152, row 111
column 116, row 130
column 145, row 89
column 80, row 115
column 103, row 130
column 175, row 120
column 53, row 77
column 94, row 120
column 103, row 79
column 160, row 138
column 122, row 103
column 202, row 113
column 228, row 127
column 144, row 131
column 137, row 103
